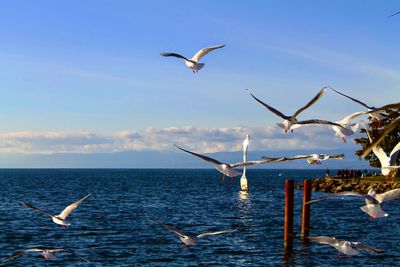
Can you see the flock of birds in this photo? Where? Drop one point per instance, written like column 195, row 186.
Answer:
column 342, row 128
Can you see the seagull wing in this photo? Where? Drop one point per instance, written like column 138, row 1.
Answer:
column 64, row 214
column 351, row 98
column 361, row 246
column 394, row 154
column 312, row 101
column 216, row 233
column 348, row 118
column 174, row 55
column 250, row 163
column 19, row 253
column 26, row 204
column 343, row 194
column 317, row 121
column 205, row 51
column 324, row 240
column 386, row 107
column 170, row 228
column 71, row 251
column 389, row 195
column 381, row 136
column 397, row 13
column 339, row 156
column 273, row 110
column 378, row 151
column 285, row 158
column 208, row 159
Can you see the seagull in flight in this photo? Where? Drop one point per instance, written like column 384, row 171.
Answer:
column 290, row 122
column 347, row 248
column 59, row 219
column 190, row 240
column 372, row 200
column 193, row 63
column 375, row 113
column 243, row 179
column 312, row 159
column 388, row 163
column 225, row 168
column 347, row 128
column 48, row 254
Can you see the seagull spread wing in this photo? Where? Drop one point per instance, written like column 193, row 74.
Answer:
column 317, row 121
column 381, row 136
column 397, row 13
column 216, row 233
column 351, row 98
column 394, row 154
column 175, row 55
column 208, row 159
column 26, row 204
column 324, row 240
column 250, row 163
column 361, row 246
column 348, row 118
column 339, row 156
column 19, row 253
column 273, row 110
column 170, row 228
column 378, row 151
column 343, row 194
column 389, row 195
column 386, row 107
column 204, row 52
column 312, row 101
column 64, row 214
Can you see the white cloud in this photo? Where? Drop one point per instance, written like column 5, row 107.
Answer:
column 207, row 140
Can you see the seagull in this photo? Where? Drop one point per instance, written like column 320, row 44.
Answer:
column 373, row 112
column 311, row 158
column 290, row 122
column 58, row 219
column 348, row 248
column 372, row 200
column 243, row 179
column 225, row 168
column 48, row 254
column 346, row 128
column 388, row 164
column 397, row 13
column 190, row 240
column 381, row 136
column 193, row 63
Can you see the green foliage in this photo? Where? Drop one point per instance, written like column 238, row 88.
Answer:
column 387, row 144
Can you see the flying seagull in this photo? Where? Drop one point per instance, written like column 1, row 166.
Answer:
column 48, row 254
column 311, row 158
column 373, row 112
column 382, row 134
column 243, row 179
column 193, row 63
column 190, row 240
column 225, row 168
column 372, row 200
column 347, row 128
column 388, row 164
column 60, row 218
column 348, row 248
column 290, row 122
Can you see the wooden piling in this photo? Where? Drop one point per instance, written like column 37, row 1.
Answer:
column 288, row 231
column 305, row 218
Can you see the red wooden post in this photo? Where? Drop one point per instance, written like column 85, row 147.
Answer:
column 289, row 199
column 305, row 219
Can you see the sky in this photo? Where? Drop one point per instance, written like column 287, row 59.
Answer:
column 87, row 76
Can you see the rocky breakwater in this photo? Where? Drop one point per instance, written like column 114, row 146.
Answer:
column 334, row 185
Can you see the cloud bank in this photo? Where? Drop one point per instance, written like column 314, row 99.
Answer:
column 204, row 140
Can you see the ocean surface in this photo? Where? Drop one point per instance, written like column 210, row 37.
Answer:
column 110, row 228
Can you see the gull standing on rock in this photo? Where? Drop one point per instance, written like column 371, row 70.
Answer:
column 58, row 219
column 290, row 122
column 190, row 240
column 347, row 248
column 193, row 63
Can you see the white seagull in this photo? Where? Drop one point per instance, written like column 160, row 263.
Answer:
column 290, row 122
column 348, row 248
column 374, row 112
column 372, row 200
column 312, row 159
column 388, row 164
column 190, row 240
column 48, row 254
column 347, row 128
column 243, row 179
column 225, row 168
column 193, row 63
column 60, row 218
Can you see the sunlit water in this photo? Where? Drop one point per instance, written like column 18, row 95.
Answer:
column 110, row 228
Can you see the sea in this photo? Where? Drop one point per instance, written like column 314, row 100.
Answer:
column 112, row 226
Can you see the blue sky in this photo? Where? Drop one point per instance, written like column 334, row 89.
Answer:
column 79, row 75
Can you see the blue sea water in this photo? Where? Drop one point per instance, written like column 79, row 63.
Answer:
column 110, row 228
